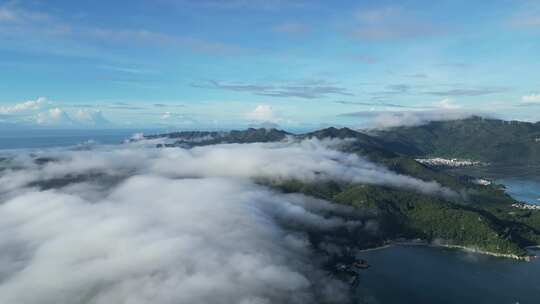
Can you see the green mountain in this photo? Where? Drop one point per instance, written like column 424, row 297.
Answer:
column 488, row 140
column 481, row 218
column 202, row 138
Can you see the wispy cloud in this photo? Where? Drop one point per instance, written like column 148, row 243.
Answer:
column 417, row 75
column 363, row 58
column 445, row 109
column 17, row 20
column 306, row 90
column 479, row 91
column 125, row 69
column 390, row 119
column 292, row 28
column 527, row 17
column 166, row 105
column 530, row 21
column 122, row 106
column 377, row 104
column 12, row 13
column 392, row 23
column 456, row 65
column 241, row 4
column 392, row 90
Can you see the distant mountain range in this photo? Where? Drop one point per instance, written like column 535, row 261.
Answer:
column 482, row 218
column 487, row 140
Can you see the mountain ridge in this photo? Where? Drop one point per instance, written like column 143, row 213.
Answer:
column 482, row 219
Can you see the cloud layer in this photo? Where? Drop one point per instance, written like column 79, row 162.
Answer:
column 390, row 119
column 305, row 90
column 132, row 224
column 44, row 113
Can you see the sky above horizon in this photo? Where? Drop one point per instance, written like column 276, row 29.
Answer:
column 296, row 64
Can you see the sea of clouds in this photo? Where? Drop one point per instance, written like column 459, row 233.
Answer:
column 135, row 224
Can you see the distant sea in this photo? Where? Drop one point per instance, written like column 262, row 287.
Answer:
column 31, row 139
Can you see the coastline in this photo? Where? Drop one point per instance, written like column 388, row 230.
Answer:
column 525, row 258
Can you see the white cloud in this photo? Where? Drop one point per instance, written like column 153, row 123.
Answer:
column 261, row 113
column 198, row 241
column 447, row 104
column 41, row 112
column 30, row 105
column 415, row 118
column 131, row 224
column 165, row 116
column 211, row 236
column 309, row 160
column 533, row 98
column 94, row 118
column 53, row 117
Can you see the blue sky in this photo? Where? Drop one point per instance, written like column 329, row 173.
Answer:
column 192, row 64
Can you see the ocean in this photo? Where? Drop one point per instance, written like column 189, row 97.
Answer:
column 421, row 274
column 36, row 139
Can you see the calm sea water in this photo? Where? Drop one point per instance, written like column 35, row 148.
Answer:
column 31, row 139
column 526, row 190
column 522, row 183
column 418, row 274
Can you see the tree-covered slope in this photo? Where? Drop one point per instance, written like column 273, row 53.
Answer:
column 202, row 138
column 486, row 223
column 488, row 140
column 481, row 217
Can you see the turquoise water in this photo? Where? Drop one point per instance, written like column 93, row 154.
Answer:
column 419, row 274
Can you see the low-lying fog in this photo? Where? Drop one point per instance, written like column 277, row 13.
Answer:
column 135, row 224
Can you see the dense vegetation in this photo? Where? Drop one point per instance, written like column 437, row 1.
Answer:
column 483, row 224
column 481, row 218
column 202, row 138
column 488, row 140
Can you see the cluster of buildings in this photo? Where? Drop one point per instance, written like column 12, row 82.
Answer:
column 443, row 162
column 526, row 206
column 481, row 181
